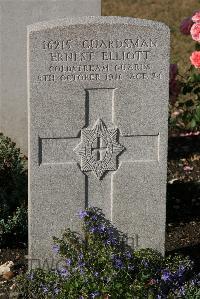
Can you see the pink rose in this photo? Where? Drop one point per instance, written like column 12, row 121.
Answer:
column 195, row 59
column 186, row 25
column 196, row 17
column 195, row 31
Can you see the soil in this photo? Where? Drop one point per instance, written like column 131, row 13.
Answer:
column 19, row 258
column 183, row 197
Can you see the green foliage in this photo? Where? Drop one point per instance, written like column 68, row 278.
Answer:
column 100, row 264
column 185, row 112
column 192, row 292
column 15, row 228
column 13, row 189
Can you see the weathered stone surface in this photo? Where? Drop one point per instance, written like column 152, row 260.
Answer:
column 98, row 101
column 15, row 15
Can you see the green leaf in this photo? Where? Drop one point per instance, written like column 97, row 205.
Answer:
column 187, row 89
column 193, row 123
column 189, row 103
column 194, row 78
column 196, row 90
column 197, row 114
column 197, row 47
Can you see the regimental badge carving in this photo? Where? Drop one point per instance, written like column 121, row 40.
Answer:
column 99, row 149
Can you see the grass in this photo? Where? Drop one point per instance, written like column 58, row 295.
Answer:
column 171, row 12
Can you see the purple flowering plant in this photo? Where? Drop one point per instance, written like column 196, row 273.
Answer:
column 98, row 263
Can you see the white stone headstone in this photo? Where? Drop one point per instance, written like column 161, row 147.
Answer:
column 15, row 15
column 98, row 110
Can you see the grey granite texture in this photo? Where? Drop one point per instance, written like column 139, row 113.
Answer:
column 15, row 15
column 98, row 110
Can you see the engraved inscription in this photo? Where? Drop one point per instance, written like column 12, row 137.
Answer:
column 99, row 149
column 57, row 44
column 77, row 59
column 117, row 44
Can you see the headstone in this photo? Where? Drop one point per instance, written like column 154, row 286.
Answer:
column 15, row 16
column 98, row 110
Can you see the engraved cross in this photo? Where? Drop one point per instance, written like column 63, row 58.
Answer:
column 98, row 149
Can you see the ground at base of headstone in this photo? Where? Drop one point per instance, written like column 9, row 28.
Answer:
column 18, row 257
column 183, row 197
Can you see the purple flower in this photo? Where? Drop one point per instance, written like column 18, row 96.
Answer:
column 166, row 276
column 63, row 272
column 182, row 291
column 180, row 271
column 56, row 248
column 92, row 229
column 110, row 231
column 56, row 291
column 68, row 262
column 131, row 267
column 192, row 282
column 81, row 264
column 174, row 88
column 81, row 271
column 94, row 217
column 195, row 281
column 80, row 256
column 30, row 276
column 111, row 240
column 186, row 25
column 101, row 228
column 145, row 263
column 83, row 214
column 106, row 279
column 45, row 289
column 128, row 254
column 114, row 241
column 94, row 294
column 118, row 263
column 173, row 71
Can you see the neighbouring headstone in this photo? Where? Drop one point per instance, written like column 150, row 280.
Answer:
column 98, row 110
column 15, row 16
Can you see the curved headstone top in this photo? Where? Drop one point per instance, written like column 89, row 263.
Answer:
column 88, row 20
column 98, row 112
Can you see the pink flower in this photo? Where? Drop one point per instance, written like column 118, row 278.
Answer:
column 195, row 31
column 187, row 168
column 186, row 25
column 195, row 59
column 196, row 17
column 152, row 281
column 177, row 112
